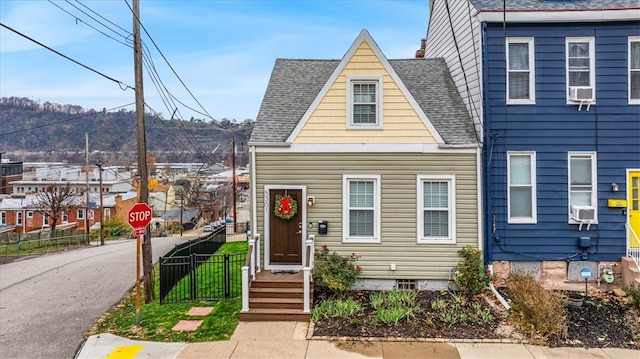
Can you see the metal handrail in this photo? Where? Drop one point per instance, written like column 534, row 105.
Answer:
column 633, row 245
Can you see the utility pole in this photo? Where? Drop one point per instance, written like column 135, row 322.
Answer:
column 99, row 164
column 233, row 164
column 147, row 263
column 86, row 173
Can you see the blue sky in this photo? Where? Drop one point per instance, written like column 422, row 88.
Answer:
column 223, row 51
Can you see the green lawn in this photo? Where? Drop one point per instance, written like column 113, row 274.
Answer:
column 156, row 320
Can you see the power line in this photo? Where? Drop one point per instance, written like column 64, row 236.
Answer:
column 120, row 83
column 169, row 64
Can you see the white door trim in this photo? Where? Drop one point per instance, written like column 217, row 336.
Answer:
column 302, row 207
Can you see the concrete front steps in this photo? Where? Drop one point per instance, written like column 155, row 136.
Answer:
column 277, row 297
column 630, row 272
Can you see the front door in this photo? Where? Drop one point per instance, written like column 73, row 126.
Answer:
column 633, row 207
column 285, row 226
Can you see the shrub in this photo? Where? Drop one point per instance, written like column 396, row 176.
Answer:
column 633, row 292
column 335, row 272
column 473, row 277
column 538, row 310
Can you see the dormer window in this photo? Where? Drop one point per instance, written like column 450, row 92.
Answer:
column 364, row 102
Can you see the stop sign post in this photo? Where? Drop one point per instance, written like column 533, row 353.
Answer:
column 139, row 218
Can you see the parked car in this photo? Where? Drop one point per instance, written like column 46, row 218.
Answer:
column 207, row 228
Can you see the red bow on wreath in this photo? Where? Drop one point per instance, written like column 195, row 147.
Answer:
column 285, row 207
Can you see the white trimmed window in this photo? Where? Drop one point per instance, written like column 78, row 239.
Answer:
column 436, row 209
column 582, row 180
column 521, row 85
column 634, row 70
column 18, row 218
column 3, row 218
column 65, row 217
column 361, row 209
column 580, row 63
column 364, row 102
column 45, row 219
column 521, row 195
column 80, row 214
column 29, row 214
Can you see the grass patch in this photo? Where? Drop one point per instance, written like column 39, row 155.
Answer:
column 156, row 320
column 210, row 275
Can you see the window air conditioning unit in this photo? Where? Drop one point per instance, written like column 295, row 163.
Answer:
column 583, row 213
column 581, row 93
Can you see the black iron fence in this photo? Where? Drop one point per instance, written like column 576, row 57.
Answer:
column 192, row 271
column 201, row 277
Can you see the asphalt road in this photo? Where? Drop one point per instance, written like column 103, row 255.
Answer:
column 47, row 303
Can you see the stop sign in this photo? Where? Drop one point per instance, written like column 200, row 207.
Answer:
column 139, row 215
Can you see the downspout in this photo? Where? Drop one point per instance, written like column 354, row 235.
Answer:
column 486, row 148
column 254, row 198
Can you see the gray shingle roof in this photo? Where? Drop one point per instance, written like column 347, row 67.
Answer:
column 555, row 4
column 294, row 84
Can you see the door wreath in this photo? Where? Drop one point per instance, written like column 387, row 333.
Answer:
column 286, row 207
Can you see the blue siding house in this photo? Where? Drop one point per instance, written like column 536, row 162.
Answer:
column 554, row 90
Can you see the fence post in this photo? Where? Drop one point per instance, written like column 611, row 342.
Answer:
column 226, row 276
column 193, row 287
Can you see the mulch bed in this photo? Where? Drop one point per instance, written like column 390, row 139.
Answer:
column 602, row 321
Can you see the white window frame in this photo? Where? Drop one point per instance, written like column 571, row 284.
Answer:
column 29, row 214
column 45, row 219
column 532, row 184
column 532, row 76
column 592, row 64
column 594, row 182
column 346, row 179
column 65, row 217
column 3, row 218
column 451, row 208
column 632, row 39
column 80, row 214
column 19, row 219
column 351, row 81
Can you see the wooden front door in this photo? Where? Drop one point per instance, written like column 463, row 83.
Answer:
column 633, row 206
column 285, row 235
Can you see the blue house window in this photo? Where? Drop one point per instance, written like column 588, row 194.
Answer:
column 580, row 69
column 520, row 71
column 521, row 196
column 582, row 181
column 634, row 70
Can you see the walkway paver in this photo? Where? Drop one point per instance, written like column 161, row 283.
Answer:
column 493, row 350
column 187, row 325
column 395, row 350
column 200, row 311
column 344, row 349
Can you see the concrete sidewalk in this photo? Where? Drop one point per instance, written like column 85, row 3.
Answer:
column 283, row 340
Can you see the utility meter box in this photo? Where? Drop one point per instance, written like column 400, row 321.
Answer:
column 323, row 227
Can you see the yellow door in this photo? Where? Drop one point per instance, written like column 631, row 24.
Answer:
column 633, row 193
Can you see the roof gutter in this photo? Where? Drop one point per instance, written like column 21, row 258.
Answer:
column 270, row 144
column 564, row 16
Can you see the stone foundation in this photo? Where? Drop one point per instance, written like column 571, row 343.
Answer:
column 560, row 275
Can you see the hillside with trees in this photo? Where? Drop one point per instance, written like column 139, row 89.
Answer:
column 34, row 131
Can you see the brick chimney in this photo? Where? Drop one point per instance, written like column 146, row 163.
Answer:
column 423, row 46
